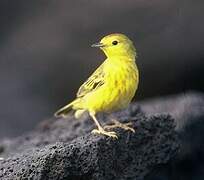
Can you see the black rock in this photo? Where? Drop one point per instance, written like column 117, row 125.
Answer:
column 65, row 149
column 188, row 112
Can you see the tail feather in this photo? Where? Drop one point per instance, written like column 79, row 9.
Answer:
column 64, row 110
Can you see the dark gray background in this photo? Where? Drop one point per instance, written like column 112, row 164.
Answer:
column 45, row 51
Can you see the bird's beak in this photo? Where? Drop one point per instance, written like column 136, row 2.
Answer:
column 97, row 45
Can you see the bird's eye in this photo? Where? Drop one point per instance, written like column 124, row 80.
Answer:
column 114, row 42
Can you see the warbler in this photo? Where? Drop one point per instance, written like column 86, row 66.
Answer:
column 111, row 87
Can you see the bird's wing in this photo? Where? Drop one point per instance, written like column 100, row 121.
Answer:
column 95, row 81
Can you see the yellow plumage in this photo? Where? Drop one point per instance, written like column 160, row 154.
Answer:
column 112, row 86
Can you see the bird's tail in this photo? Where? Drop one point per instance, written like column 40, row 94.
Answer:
column 65, row 110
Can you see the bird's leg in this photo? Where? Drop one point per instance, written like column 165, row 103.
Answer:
column 117, row 124
column 100, row 129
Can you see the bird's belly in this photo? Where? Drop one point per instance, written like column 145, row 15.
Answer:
column 121, row 96
column 116, row 95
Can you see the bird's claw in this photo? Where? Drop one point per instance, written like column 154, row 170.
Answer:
column 111, row 134
column 117, row 124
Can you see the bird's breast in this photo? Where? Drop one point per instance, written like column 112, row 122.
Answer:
column 122, row 82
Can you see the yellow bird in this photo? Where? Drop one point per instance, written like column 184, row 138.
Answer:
column 111, row 87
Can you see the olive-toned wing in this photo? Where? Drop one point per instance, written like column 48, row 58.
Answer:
column 95, row 81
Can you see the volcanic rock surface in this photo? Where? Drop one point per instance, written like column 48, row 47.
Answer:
column 65, row 149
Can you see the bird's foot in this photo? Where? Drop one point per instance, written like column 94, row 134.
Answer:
column 117, row 124
column 111, row 134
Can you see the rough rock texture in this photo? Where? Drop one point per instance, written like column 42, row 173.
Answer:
column 186, row 108
column 65, row 149
column 188, row 112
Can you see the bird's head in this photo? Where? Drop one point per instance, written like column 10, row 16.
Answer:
column 116, row 45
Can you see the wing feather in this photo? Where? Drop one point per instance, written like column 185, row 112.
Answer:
column 95, row 81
